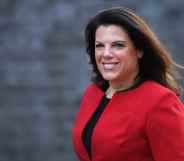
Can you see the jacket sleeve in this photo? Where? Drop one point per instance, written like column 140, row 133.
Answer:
column 165, row 129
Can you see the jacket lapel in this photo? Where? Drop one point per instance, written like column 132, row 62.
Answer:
column 88, row 106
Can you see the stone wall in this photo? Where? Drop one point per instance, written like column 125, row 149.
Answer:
column 44, row 70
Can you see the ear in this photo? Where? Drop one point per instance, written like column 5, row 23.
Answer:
column 140, row 54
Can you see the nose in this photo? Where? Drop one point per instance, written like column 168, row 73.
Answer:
column 107, row 51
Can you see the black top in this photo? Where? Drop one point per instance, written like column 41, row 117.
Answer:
column 87, row 133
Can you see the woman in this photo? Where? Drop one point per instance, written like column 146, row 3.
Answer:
column 132, row 111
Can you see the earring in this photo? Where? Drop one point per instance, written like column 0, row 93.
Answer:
column 140, row 54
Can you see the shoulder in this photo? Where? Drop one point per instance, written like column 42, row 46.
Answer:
column 156, row 93
column 155, row 90
column 92, row 90
column 162, row 97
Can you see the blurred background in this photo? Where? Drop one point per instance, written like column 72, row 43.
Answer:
column 44, row 70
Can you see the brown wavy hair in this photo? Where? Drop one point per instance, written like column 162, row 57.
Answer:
column 156, row 63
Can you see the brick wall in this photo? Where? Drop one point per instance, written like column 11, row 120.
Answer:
column 43, row 69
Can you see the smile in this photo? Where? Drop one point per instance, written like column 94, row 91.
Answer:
column 110, row 66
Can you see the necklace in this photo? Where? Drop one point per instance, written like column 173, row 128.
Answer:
column 111, row 91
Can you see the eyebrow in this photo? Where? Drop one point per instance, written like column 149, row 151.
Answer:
column 118, row 41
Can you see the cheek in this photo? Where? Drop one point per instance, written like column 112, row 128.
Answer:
column 130, row 61
column 97, row 61
column 97, row 58
column 135, row 59
column 132, row 57
column 133, row 63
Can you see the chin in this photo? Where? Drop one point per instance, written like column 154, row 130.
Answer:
column 109, row 77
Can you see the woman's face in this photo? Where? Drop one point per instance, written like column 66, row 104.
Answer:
column 115, row 54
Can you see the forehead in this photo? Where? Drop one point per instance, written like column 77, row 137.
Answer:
column 111, row 32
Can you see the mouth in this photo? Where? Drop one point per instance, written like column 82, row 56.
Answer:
column 110, row 65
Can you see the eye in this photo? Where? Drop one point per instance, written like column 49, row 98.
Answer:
column 98, row 45
column 118, row 45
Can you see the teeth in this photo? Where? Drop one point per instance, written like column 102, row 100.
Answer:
column 109, row 66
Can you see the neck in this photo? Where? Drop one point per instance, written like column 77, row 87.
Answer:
column 121, row 86
column 125, row 82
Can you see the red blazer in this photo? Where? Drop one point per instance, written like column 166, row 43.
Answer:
column 142, row 124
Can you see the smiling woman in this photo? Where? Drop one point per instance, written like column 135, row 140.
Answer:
column 131, row 111
column 116, row 56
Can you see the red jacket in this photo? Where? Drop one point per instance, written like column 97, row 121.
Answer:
column 142, row 124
